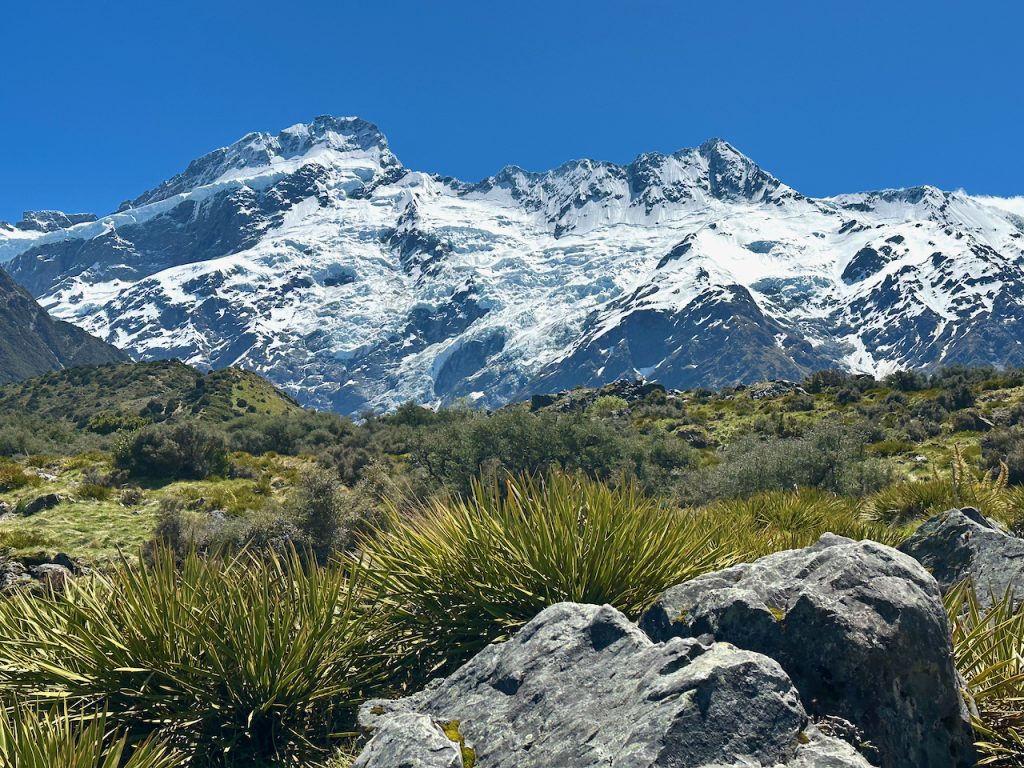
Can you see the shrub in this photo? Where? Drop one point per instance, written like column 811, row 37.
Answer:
column 467, row 572
column 185, row 451
column 891, row 447
column 254, row 658
column 94, row 491
column 913, row 500
column 988, row 645
column 830, row 378
column 608, row 405
column 906, row 381
column 829, row 457
column 106, row 423
column 13, row 477
column 317, row 510
column 30, row 738
column 130, row 497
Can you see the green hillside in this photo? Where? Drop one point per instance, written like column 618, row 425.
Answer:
column 105, row 396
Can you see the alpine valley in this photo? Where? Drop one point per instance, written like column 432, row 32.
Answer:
column 315, row 258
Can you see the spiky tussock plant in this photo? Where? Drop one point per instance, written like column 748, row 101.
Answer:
column 774, row 520
column 988, row 643
column 964, row 486
column 460, row 574
column 31, row 738
column 240, row 660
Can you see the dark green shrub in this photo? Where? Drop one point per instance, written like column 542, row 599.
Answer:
column 185, row 451
column 906, row 381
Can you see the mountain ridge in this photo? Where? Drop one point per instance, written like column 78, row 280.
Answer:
column 32, row 343
column 314, row 257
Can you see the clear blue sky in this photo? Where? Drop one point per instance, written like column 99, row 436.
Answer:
column 101, row 100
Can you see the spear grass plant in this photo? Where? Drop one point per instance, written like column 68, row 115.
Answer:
column 988, row 643
column 770, row 521
column 33, row 738
column 242, row 660
column 465, row 572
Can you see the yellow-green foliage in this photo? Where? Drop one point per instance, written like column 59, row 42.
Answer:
column 30, row 738
column 13, row 477
column 775, row 520
column 257, row 656
column 465, row 572
column 988, row 645
column 963, row 486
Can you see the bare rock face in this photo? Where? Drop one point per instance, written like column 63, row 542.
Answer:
column 860, row 629
column 408, row 740
column 962, row 544
column 580, row 686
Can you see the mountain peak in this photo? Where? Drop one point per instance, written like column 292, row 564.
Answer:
column 258, row 149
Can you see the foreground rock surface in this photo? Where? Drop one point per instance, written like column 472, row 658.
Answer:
column 858, row 626
column 582, row 686
column 961, row 544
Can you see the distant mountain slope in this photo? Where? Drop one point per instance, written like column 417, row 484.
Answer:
column 313, row 257
column 156, row 391
column 31, row 342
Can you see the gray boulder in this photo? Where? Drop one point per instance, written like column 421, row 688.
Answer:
column 408, row 740
column 961, row 544
column 39, row 504
column 581, row 686
column 858, row 626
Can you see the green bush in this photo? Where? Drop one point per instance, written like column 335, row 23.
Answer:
column 467, row 572
column 608, row 405
column 13, row 477
column 317, row 509
column 830, row 457
column 30, row 738
column 105, row 423
column 249, row 659
column 891, row 447
column 185, row 451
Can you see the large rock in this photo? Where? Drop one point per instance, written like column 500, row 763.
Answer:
column 39, row 504
column 580, row 686
column 961, row 544
column 859, row 627
column 409, row 740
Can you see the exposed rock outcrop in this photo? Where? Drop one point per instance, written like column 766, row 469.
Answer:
column 963, row 544
column 858, row 626
column 582, row 686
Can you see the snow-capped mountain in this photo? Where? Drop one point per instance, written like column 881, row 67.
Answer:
column 315, row 258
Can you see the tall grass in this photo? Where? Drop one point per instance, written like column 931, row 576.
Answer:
column 460, row 574
column 240, row 660
column 30, row 738
column 988, row 643
column 775, row 520
column 908, row 502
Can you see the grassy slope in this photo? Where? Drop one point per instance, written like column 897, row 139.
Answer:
column 165, row 390
column 96, row 529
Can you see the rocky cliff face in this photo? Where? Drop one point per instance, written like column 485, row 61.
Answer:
column 31, row 342
column 315, row 258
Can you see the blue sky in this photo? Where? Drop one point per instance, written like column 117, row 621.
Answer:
column 101, row 100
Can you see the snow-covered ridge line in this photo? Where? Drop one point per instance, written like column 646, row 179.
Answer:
column 314, row 257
